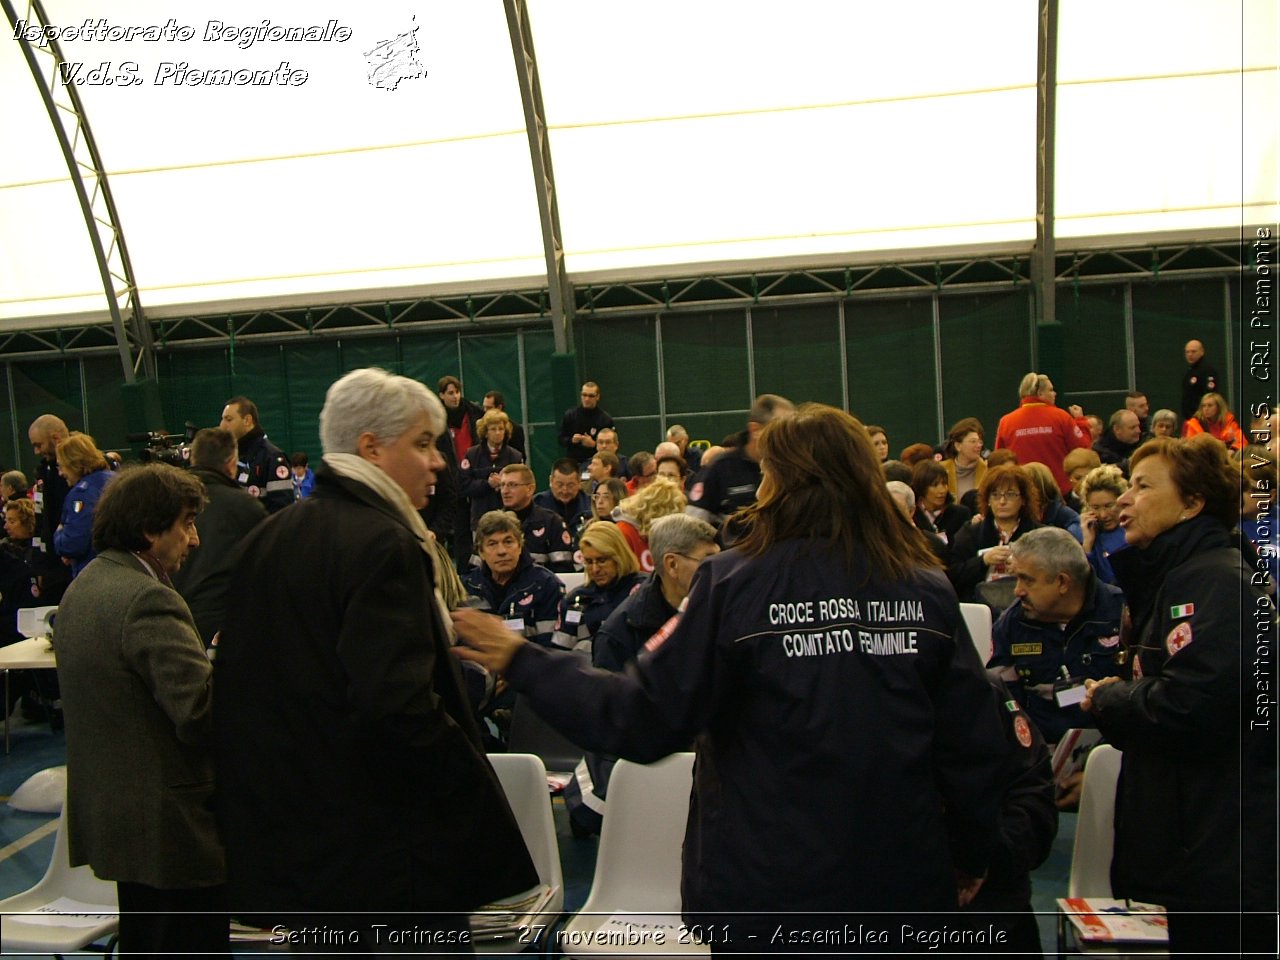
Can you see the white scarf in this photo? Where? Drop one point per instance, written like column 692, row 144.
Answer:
column 362, row 471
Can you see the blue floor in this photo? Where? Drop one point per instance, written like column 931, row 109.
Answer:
column 35, row 748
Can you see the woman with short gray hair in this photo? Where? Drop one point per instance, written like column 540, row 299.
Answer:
column 340, row 712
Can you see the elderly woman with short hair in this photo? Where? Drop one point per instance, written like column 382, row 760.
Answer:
column 352, row 774
column 1164, row 423
column 1195, row 824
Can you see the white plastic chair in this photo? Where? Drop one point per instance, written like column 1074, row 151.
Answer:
column 19, row 935
column 1095, row 825
column 572, row 581
column 636, row 887
column 524, row 781
column 977, row 617
column 1094, row 845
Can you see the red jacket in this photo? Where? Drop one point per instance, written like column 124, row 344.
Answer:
column 1227, row 430
column 1038, row 432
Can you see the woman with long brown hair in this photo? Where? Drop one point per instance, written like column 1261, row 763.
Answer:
column 840, row 712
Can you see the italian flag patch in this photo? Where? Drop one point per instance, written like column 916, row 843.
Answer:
column 1182, row 610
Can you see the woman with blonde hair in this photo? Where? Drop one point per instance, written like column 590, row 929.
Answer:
column 1076, row 465
column 1215, row 418
column 481, row 468
column 1100, row 522
column 635, row 515
column 87, row 472
column 612, row 572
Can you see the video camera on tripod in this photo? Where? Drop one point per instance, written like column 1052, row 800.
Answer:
column 171, row 448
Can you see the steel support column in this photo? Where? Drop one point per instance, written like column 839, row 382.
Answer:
column 75, row 138
column 1042, row 257
column 535, row 123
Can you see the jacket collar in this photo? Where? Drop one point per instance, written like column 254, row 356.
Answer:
column 207, row 477
column 329, row 484
column 1141, row 573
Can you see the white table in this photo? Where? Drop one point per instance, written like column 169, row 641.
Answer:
column 33, row 653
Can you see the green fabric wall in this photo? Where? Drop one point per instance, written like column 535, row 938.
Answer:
column 689, row 368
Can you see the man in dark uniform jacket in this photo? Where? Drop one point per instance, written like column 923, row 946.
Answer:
column 1199, row 379
column 229, row 515
column 730, row 483
column 580, row 425
column 45, row 433
column 1064, row 620
column 545, row 537
column 262, row 469
column 565, row 497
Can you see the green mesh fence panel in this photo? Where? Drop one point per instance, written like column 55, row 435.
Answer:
column 986, row 350
column 889, row 345
column 796, row 353
column 1165, row 317
column 260, row 375
column 358, row 353
column 51, row 386
column 1095, row 359
column 309, row 370
column 428, row 357
column 106, row 419
column 195, row 386
column 619, row 354
column 704, row 359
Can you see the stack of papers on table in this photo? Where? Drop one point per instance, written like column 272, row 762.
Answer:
column 504, row 919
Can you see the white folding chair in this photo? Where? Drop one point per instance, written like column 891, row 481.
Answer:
column 977, row 617
column 67, row 888
column 636, row 887
column 1094, row 845
column 1095, row 825
column 572, row 581
column 524, row 781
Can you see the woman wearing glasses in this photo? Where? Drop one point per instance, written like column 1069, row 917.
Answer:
column 1199, row 774
column 1100, row 522
column 1010, row 505
column 612, row 572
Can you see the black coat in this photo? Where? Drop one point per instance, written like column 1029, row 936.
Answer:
column 350, row 770
column 1198, row 779
column 845, row 721
column 966, row 569
column 230, row 514
column 474, row 472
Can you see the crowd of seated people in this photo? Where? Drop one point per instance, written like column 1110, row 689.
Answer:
column 1031, row 528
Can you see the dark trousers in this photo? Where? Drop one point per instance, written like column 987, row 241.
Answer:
column 173, row 922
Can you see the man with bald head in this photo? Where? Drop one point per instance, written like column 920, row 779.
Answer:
column 1122, row 436
column 1200, row 378
column 45, row 433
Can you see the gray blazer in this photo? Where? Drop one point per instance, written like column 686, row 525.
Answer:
column 137, row 700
